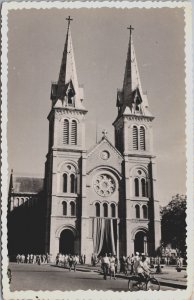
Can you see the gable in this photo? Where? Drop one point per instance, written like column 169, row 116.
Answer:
column 104, row 154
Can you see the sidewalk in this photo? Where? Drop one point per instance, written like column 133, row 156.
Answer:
column 169, row 276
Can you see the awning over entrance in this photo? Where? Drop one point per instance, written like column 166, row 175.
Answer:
column 104, row 235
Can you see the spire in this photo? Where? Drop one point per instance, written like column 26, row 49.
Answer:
column 67, row 92
column 131, row 99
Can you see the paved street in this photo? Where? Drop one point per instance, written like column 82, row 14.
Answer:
column 45, row 277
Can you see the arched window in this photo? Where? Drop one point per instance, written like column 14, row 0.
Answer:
column 22, row 201
column 66, row 132
column 64, row 203
column 65, row 183
column 142, row 138
column 145, row 211
column 105, row 207
column 136, row 187
column 143, row 187
column 97, row 206
column 72, row 183
column 74, row 132
column 113, row 212
column 135, row 138
column 137, row 211
column 72, row 206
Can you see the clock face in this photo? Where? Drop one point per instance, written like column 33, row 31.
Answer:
column 104, row 185
column 105, row 155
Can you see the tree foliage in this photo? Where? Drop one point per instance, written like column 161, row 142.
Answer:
column 173, row 223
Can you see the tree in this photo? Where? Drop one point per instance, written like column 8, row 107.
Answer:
column 173, row 223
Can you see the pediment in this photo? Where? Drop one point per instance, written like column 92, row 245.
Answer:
column 104, row 154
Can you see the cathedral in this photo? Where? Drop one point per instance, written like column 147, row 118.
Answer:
column 90, row 201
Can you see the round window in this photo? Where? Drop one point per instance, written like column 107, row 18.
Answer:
column 104, row 185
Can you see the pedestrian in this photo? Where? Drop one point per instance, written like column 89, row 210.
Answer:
column 76, row 260
column 70, row 261
column 18, row 259
column 136, row 262
column 57, row 259
column 84, row 260
column 105, row 265
column 112, row 267
column 132, row 264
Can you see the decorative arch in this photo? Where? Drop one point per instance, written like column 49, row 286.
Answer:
column 139, row 167
column 137, row 229
column 108, row 169
column 60, row 167
column 63, row 227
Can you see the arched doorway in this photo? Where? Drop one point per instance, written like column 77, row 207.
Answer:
column 140, row 242
column 66, row 242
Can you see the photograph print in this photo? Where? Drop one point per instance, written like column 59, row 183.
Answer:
column 96, row 136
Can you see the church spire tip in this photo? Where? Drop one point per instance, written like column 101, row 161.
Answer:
column 69, row 21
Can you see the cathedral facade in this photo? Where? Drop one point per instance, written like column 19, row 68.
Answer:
column 91, row 201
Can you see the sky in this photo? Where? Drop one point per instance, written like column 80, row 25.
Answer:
column 100, row 40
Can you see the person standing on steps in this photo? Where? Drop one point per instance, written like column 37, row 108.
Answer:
column 105, row 265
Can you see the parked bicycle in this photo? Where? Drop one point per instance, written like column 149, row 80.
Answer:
column 149, row 283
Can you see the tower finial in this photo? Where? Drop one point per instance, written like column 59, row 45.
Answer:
column 69, row 21
column 130, row 29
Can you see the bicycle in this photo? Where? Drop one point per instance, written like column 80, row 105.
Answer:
column 149, row 283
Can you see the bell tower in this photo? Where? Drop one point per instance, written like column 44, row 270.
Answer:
column 133, row 138
column 66, row 149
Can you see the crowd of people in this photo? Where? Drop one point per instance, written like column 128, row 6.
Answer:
column 134, row 265
column 33, row 258
column 70, row 261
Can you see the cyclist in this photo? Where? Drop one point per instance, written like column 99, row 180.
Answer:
column 143, row 269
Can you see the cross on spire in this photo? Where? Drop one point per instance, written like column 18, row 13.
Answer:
column 130, row 29
column 69, row 20
column 105, row 133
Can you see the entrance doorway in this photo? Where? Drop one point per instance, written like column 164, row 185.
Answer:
column 140, row 243
column 66, row 242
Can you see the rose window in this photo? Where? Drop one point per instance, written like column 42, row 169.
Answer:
column 104, row 185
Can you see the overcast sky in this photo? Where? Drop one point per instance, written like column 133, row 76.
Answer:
column 100, row 39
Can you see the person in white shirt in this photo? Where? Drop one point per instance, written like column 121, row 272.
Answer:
column 105, row 265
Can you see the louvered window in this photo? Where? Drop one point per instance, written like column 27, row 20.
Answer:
column 74, row 132
column 66, row 132
column 135, row 138
column 142, row 138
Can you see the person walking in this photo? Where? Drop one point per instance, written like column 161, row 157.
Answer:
column 70, row 261
column 132, row 264
column 105, row 265
column 112, row 267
